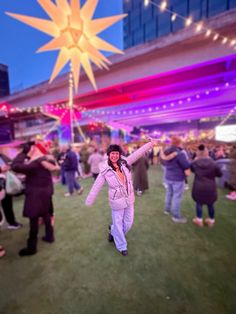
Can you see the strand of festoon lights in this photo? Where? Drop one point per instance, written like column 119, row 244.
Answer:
column 229, row 115
column 200, row 27
column 164, row 106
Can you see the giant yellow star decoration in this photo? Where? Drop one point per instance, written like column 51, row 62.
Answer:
column 75, row 35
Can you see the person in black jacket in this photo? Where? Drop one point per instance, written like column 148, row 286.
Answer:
column 71, row 167
column 204, row 190
column 38, row 193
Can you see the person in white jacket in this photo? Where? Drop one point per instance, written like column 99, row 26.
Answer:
column 116, row 173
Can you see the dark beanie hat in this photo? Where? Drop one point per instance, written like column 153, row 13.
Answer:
column 201, row 147
column 114, row 148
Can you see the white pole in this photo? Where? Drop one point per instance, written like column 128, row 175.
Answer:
column 71, row 86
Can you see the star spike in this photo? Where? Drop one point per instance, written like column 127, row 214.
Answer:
column 99, row 25
column 87, row 67
column 52, row 10
column 86, row 46
column 55, row 43
column 44, row 26
column 103, row 45
column 88, row 9
column 63, row 5
column 62, row 59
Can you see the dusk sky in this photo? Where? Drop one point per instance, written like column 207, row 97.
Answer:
column 19, row 42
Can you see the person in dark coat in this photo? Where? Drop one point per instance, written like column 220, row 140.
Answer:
column 38, row 193
column 204, row 190
column 70, row 165
column 140, row 176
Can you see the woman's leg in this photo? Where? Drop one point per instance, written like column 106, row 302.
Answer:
column 117, row 229
column 7, row 207
column 128, row 218
column 211, row 211
column 198, row 220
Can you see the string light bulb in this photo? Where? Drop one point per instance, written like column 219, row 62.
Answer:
column 224, row 41
column 163, row 6
column 146, row 3
column 208, row 33
column 199, row 27
column 216, row 37
column 173, row 17
column 189, row 21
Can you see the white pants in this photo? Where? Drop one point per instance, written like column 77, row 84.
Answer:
column 122, row 221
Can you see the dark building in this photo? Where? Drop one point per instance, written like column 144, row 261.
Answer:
column 4, row 81
column 147, row 23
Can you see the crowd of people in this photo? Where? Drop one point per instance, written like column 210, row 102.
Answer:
column 125, row 175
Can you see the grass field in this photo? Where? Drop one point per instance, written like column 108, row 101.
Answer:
column 170, row 269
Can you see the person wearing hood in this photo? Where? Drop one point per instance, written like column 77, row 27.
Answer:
column 204, row 190
column 116, row 172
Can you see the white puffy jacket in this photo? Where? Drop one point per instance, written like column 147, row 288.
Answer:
column 120, row 195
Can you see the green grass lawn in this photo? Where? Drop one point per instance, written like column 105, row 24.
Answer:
column 170, row 268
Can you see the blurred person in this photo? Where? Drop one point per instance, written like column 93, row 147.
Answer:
column 177, row 168
column 38, row 192
column 204, row 190
column 140, row 175
column 163, row 167
column 2, row 195
column 60, row 159
column 116, row 172
column 70, row 165
column 232, row 179
column 151, row 156
column 7, row 200
column 94, row 160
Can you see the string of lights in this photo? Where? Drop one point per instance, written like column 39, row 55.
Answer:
column 158, row 107
column 199, row 26
column 229, row 115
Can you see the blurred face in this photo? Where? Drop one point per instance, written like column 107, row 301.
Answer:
column 114, row 157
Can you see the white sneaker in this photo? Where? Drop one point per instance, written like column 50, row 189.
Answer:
column 80, row 191
column 67, row 194
column 16, row 226
column 166, row 212
column 139, row 193
column 180, row 220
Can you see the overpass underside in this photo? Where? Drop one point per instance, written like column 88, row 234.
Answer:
column 182, row 77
